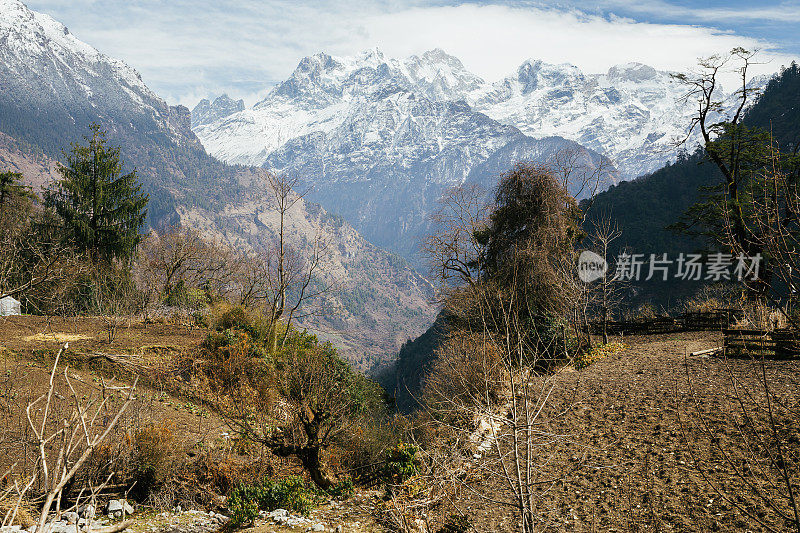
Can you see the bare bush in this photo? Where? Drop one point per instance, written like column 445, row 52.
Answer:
column 65, row 446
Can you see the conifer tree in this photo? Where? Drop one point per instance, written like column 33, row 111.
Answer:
column 11, row 187
column 102, row 209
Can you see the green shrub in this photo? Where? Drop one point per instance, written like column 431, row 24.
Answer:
column 224, row 317
column 178, row 295
column 290, row 493
column 401, row 464
column 196, row 298
column 232, row 318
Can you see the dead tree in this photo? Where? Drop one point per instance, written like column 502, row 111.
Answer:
column 293, row 275
column 607, row 293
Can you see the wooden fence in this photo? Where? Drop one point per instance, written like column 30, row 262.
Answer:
column 787, row 343
column 715, row 320
column 779, row 344
column 637, row 327
column 747, row 342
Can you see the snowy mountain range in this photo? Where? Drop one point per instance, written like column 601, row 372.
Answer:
column 378, row 140
column 631, row 114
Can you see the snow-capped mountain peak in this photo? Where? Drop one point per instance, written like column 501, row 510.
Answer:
column 633, row 72
column 535, row 74
column 632, row 113
column 39, row 42
column 380, row 138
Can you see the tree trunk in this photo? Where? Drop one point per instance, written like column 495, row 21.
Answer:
column 316, row 467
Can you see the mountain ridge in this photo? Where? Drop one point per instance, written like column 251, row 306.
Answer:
column 631, row 113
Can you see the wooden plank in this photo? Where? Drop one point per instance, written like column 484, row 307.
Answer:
column 709, row 351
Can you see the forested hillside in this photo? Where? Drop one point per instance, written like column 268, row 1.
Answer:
column 644, row 208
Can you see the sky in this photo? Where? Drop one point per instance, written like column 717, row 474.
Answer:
column 192, row 49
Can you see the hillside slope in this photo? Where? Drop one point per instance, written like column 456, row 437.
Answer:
column 53, row 86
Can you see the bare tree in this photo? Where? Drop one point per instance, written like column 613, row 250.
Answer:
column 484, row 393
column 453, row 251
column 181, row 257
column 294, row 280
column 739, row 153
column 31, row 254
column 774, row 222
column 608, row 292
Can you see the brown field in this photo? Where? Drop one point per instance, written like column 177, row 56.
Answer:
column 27, row 348
column 647, row 436
column 28, row 333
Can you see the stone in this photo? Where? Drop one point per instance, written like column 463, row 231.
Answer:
column 128, row 508
column 71, row 517
column 61, row 527
column 86, row 511
column 113, row 507
column 318, row 527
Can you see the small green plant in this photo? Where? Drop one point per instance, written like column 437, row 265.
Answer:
column 401, row 464
column 342, row 490
column 597, row 353
column 290, row 493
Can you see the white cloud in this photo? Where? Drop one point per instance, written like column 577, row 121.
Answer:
column 189, row 49
column 782, row 12
column 493, row 40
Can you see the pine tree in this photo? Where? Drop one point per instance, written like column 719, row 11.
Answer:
column 11, row 187
column 101, row 209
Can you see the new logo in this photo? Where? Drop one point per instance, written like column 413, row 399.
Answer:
column 591, row 266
